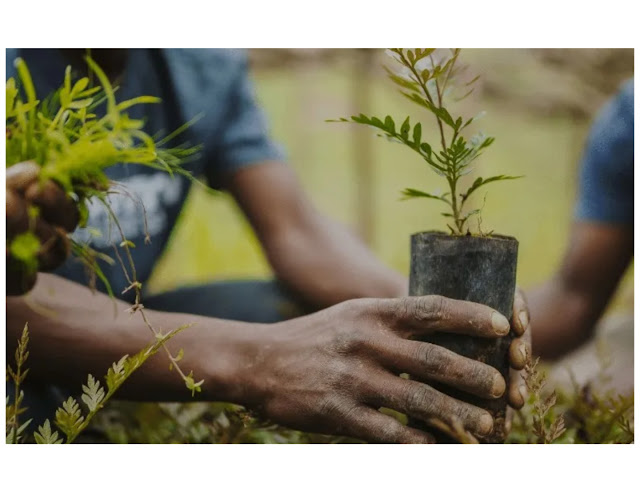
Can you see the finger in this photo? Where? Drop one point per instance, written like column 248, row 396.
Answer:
column 518, row 393
column 370, row 425
column 17, row 216
column 425, row 403
column 429, row 362
column 520, row 351
column 508, row 420
column 21, row 175
column 19, row 281
column 54, row 246
column 520, row 313
column 434, row 313
column 56, row 207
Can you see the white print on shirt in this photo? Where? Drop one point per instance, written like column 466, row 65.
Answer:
column 156, row 191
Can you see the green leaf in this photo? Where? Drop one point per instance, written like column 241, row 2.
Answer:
column 444, row 115
column 405, row 129
column 11, row 95
column 24, row 248
column 411, row 57
column 413, row 193
column 488, row 141
column 426, row 148
column 417, row 134
column 192, row 384
column 402, row 82
column 78, row 104
column 138, row 100
column 116, row 374
column 46, row 435
column 479, row 182
column 474, row 118
column 421, row 53
column 475, row 79
column 470, row 214
column 69, row 417
column 389, row 124
column 93, row 393
column 415, row 98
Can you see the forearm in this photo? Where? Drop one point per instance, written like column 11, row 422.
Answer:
column 565, row 310
column 328, row 264
column 74, row 332
column 560, row 319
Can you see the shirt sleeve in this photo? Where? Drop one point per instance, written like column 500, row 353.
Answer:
column 605, row 191
column 244, row 139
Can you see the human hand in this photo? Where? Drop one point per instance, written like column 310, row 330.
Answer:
column 57, row 215
column 330, row 371
column 519, row 354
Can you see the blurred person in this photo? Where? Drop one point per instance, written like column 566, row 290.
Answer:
column 329, row 369
column 565, row 310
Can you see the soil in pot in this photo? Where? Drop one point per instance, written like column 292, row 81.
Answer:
column 479, row 269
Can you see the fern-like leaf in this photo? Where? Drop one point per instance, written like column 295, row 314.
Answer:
column 69, row 417
column 46, row 435
column 93, row 393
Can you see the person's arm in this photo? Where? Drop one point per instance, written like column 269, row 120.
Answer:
column 312, row 254
column 564, row 311
column 566, row 308
column 326, row 372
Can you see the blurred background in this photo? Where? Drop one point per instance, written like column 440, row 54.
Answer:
column 539, row 105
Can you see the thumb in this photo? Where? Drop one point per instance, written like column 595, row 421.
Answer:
column 21, row 175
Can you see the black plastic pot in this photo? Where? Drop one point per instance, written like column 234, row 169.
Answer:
column 477, row 269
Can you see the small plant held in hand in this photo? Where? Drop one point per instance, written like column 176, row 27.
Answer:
column 73, row 146
column 431, row 83
column 455, row 264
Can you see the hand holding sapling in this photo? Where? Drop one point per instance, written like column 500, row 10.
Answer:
column 72, row 147
column 478, row 268
column 39, row 217
column 358, row 348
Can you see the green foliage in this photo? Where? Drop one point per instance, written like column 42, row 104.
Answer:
column 46, row 435
column 25, row 247
column 544, row 423
column 591, row 413
column 429, row 82
column 163, row 423
column 73, row 145
column 14, row 428
column 71, row 418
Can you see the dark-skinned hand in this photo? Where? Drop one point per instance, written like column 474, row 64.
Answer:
column 57, row 215
column 330, row 372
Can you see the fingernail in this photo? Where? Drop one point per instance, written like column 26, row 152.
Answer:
column 524, row 319
column 500, row 323
column 485, row 425
column 523, row 352
column 499, row 386
column 523, row 393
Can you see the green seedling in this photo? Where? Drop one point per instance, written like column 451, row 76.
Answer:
column 430, row 80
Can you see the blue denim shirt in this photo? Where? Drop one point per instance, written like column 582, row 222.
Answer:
column 233, row 134
column 605, row 192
